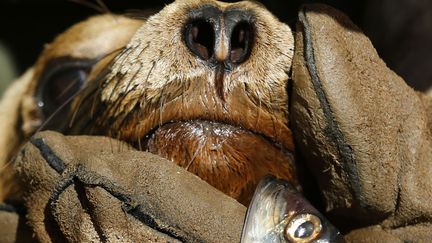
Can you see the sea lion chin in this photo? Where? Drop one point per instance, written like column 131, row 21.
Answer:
column 202, row 83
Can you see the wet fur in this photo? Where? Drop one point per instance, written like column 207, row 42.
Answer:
column 147, row 77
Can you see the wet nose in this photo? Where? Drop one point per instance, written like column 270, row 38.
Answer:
column 218, row 36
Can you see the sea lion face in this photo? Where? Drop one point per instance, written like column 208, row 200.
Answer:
column 202, row 83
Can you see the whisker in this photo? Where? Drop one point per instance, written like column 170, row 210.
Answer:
column 97, row 7
column 118, row 77
column 199, row 149
column 46, row 123
column 111, row 145
column 259, row 108
column 277, row 134
column 139, row 144
column 85, row 125
column 161, row 106
column 94, row 101
column 126, row 118
column 67, row 88
column 183, row 97
column 122, row 95
column 118, row 137
column 117, row 102
column 88, row 89
column 103, row 6
column 140, row 14
column 75, row 112
column 150, row 71
column 92, row 90
column 133, row 78
column 6, row 165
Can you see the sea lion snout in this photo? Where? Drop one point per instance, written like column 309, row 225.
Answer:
column 223, row 39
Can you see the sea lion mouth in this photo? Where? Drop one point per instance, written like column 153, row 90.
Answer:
column 203, row 128
column 213, row 150
column 183, row 141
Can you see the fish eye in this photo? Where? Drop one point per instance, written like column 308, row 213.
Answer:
column 60, row 81
column 303, row 228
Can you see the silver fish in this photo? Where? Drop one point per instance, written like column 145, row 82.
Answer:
column 279, row 213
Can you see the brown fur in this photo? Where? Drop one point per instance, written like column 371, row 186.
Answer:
column 151, row 80
column 19, row 114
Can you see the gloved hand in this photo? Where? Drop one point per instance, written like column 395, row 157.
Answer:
column 364, row 134
column 97, row 189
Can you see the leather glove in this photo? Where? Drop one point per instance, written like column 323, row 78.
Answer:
column 97, row 189
column 364, row 134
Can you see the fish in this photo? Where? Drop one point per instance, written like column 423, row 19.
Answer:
column 278, row 212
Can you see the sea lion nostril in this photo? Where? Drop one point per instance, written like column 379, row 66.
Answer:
column 200, row 38
column 240, row 42
column 221, row 37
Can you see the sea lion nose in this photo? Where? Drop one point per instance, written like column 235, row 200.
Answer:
column 220, row 36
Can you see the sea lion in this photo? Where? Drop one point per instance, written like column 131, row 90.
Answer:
column 202, row 83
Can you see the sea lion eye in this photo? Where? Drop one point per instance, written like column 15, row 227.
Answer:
column 303, row 228
column 61, row 80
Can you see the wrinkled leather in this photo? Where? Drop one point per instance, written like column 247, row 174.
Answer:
column 365, row 135
column 92, row 189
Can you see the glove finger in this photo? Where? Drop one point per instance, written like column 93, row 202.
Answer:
column 98, row 189
column 363, row 132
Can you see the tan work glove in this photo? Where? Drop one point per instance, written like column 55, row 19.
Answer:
column 365, row 134
column 97, row 189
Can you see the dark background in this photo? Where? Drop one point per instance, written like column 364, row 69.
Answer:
column 401, row 30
